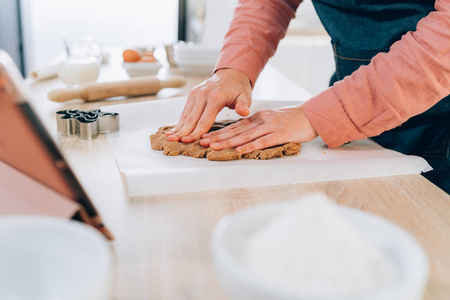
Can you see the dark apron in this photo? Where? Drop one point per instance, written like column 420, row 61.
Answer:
column 360, row 29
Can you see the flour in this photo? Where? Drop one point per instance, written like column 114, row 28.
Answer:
column 313, row 250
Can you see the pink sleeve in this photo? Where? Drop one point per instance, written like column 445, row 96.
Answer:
column 408, row 80
column 254, row 33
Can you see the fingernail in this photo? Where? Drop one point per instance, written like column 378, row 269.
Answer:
column 173, row 137
column 206, row 141
column 170, row 132
column 187, row 139
column 206, row 135
column 214, row 145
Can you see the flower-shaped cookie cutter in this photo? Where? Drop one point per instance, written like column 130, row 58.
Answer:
column 86, row 124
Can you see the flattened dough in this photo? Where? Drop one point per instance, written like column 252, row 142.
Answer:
column 159, row 142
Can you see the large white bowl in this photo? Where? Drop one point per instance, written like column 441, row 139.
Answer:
column 44, row 258
column 233, row 232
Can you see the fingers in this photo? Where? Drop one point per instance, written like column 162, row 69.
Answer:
column 205, row 123
column 229, row 132
column 243, row 103
column 263, row 142
column 184, row 115
column 221, row 131
column 226, row 88
column 206, row 120
column 262, row 130
column 190, row 122
column 235, row 138
column 254, row 139
column 198, row 117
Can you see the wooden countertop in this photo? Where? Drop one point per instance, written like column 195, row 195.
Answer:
column 162, row 246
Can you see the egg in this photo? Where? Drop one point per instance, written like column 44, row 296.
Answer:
column 147, row 57
column 131, row 55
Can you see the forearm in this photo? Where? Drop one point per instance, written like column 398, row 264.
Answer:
column 254, row 34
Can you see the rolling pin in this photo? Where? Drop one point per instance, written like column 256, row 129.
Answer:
column 145, row 85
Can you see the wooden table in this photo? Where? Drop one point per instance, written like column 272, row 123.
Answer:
column 162, row 245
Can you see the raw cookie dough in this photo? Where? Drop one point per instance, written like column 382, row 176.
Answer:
column 159, row 142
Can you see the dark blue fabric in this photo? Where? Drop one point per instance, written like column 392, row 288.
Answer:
column 361, row 29
column 370, row 24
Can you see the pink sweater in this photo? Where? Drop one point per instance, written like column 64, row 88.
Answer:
column 409, row 79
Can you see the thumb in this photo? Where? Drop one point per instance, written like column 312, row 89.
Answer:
column 243, row 103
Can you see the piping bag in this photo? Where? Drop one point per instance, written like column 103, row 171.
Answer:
column 139, row 86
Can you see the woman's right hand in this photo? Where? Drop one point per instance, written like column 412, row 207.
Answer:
column 226, row 88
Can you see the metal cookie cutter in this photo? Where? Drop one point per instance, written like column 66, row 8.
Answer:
column 86, row 124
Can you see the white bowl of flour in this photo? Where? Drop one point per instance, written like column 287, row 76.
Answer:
column 313, row 249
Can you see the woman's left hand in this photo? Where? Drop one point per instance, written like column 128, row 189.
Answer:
column 264, row 129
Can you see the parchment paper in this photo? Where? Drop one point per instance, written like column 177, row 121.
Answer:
column 150, row 172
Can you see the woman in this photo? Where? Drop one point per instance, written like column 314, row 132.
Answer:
column 391, row 82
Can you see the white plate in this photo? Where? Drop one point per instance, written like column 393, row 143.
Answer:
column 196, row 69
column 198, row 49
column 231, row 234
column 197, row 61
column 207, row 56
column 44, row 258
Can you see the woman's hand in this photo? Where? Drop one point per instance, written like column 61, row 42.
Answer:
column 262, row 130
column 226, row 88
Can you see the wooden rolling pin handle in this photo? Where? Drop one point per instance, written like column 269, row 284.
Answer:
column 62, row 95
column 138, row 86
column 173, row 82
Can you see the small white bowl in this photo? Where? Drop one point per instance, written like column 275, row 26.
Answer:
column 136, row 69
column 45, row 258
column 233, row 232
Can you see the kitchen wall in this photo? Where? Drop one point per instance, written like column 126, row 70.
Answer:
column 123, row 23
column 10, row 35
column 304, row 55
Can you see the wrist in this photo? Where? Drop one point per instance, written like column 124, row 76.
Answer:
column 235, row 74
column 306, row 125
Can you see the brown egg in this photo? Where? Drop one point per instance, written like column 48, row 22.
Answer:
column 131, row 55
column 147, row 57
